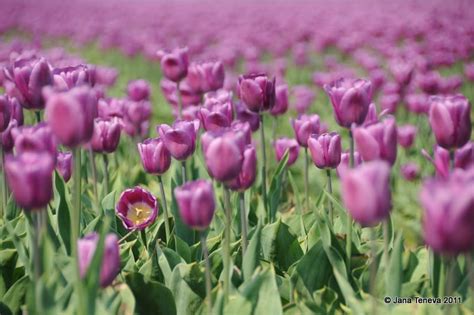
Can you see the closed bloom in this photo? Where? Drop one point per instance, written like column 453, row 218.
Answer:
column 245, row 115
column 138, row 90
column 344, row 165
column 110, row 266
column 106, row 136
column 247, row 174
column 366, row 192
column 29, row 177
column 64, row 165
column 215, row 115
column 224, row 156
column 281, row 100
column 304, row 127
column 350, row 100
column 7, row 138
column 34, row 138
column 406, row 135
column 402, row 71
column 71, row 76
column 285, row 144
column 303, row 98
column 5, row 112
column 196, row 203
column 464, row 157
column 156, row 158
column 179, row 139
column 377, row 141
column 418, row 103
column 71, row 115
column 325, row 150
column 174, row 64
column 449, row 213
column 206, row 77
column 137, row 208
column 257, row 91
column 450, row 120
column 410, row 171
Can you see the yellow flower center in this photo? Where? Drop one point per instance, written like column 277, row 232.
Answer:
column 139, row 212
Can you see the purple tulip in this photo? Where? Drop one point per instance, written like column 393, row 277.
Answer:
column 5, row 112
column 245, row 115
column 156, row 158
column 305, row 126
column 344, row 165
column 247, row 174
column 377, row 141
column 71, row 115
column 205, row 77
column 281, row 100
column 29, row 177
column 418, row 103
column 450, row 120
column 137, row 208
column 16, row 111
column 110, row 266
column 196, row 203
column 105, row 76
column 449, row 213
column 350, row 100
column 7, row 137
column 188, row 95
column 34, row 138
column 469, row 71
column 106, row 136
column 389, row 102
column 136, row 116
column 406, row 135
column 68, row 77
column 402, row 71
column 138, row 90
column 257, row 92
column 464, row 157
column 224, row 155
column 304, row 97
column 366, row 192
column 174, row 64
column 64, row 165
column 215, row 115
column 179, row 139
column 285, row 144
column 410, row 171
column 325, row 150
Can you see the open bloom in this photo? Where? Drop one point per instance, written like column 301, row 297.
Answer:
column 29, row 177
column 366, row 192
column 350, row 100
column 325, row 150
column 450, row 120
column 156, row 158
column 247, row 174
column 106, row 136
column 174, row 64
column 449, row 213
column 196, row 203
column 305, row 126
column 179, row 139
column 110, row 266
column 137, row 208
column 257, row 91
column 285, row 144
column 64, row 165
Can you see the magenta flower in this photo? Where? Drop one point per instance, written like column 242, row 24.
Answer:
column 110, row 266
column 106, row 136
column 34, row 138
column 402, row 71
column 304, row 97
column 450, row 120
column 345, row 160
column 196, row 203
column 29, row 177
column 325, row 150
column 5, row 112
column 286, row 144
column 410, row 171
column 281, row 100
column 257, row 91
column 366, row 192
column 156, row 158
column 64, row 165
column 138, row 90
column 247, row 174
column 406, row 135
column 215, row 115
column 137, row 208
column 6, row 136
column 206, row 77
column 350, row 100
column 245, row 115
column 179, row 139
column 418, row 103
column 174, row 64
column 305, row 126
column 68, row 77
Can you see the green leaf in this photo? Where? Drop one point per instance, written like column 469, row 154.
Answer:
column 274, row 193
column 251, row 257
column 393, row 279
column 15, row 295
column 187, row 285
column 314, row 278
column 63, row 215
column 151, row 297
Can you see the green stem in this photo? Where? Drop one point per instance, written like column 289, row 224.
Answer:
column 143, row 238
column 106, row 174
column 76, row 209
column 264, row 168
column 349, row 219
column 243, row 219
column 180, row 102
column 226, row 248
column 470, row 269
column 386, row 243
column 126, row 236
column 442, row 279
column 183, row 171
column 373, row 268
column 306, row 181
column 38, row 116
column 351, row 146
column 331, row 210
column 452, row 159
column 274, row 125
column 36, row 239
column 205, row 253
column 165, row 208
column 94, row 176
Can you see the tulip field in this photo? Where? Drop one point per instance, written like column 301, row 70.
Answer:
column 236, row 157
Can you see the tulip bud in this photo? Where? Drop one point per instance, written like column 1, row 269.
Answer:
column 29, row 177
column 247, row 174
column 377, row 141
column 106, row 136
column 179, row 139
column 281, row 100
column 110, row 266
column 71, row 115
column 449, row 213
column 138, row 90
column 245, row 115
column 325, row 150
column 344, row 165
column 137, row 208
column 350, row 100
column 16, row 111
column 106, row 76
column 406, row 135
column 304, row 127
column 196, row 203
column 216, row 115
column 68, row 77
column 410, row 171
column 285, row 144
column 64, row 165
column 304, row 97
column 418, row 103
column 464, row 157
column 402, row 71
column 450, row 120
column 7, row 138
column 174, row 64
column 156, row 158
column 34, row 138
column 224, row 157
column 366, row 192
column 257, row 92
column 205, row 77
column 5, row 112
